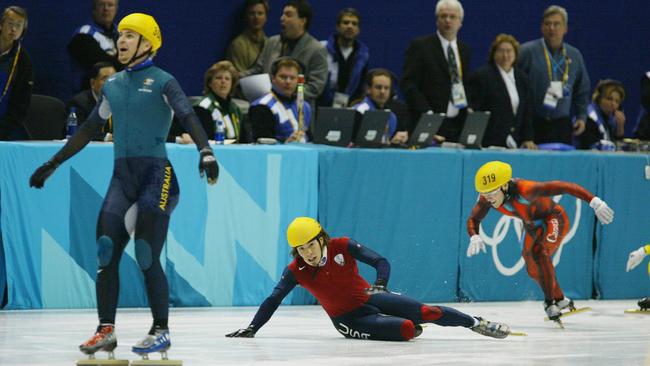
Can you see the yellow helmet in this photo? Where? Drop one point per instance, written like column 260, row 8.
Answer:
column 492, row 175
column 302, row 230
column 145, row 25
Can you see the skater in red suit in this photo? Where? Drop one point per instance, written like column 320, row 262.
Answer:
column 545, row 222
column 327, row 268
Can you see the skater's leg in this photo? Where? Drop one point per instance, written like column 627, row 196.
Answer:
column 158, row 198
column 368, row 323
column 406, row 307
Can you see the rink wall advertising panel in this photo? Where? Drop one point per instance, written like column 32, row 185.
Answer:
column 226, row 245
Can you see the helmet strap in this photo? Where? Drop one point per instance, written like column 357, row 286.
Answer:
column 135, row 54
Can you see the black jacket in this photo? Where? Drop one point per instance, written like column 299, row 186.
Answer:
column 19, row 94
column 488, row 92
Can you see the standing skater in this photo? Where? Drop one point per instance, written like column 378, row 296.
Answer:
column 546, row 223
column 327, row 268
column 141, row 100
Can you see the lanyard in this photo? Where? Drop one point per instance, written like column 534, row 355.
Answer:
column 556, row 65
column 11, row 74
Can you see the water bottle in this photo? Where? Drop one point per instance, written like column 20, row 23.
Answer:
column 72, row 122
column 219, row 132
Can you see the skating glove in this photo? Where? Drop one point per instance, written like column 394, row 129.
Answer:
column 42, row 173
column 603, row 212
column 208, row 165
column 476, row 245
column 635, row 258
column 243, row 333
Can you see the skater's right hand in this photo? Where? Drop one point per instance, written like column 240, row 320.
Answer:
column 635, row 258
column 242, row 333
column 476, row 245
column 42, row 173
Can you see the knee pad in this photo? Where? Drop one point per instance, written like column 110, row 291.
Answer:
column 143, row 254
column 430, row 313
column 104, row 250
column 407, row 330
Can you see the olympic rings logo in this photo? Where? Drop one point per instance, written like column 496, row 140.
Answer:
column 501, row 230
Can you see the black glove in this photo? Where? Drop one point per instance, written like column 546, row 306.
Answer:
column 208, row 165
column 42, row 173
column 376, row 289
column 243, row 333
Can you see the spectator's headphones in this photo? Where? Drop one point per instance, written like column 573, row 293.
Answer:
column 602, row 85
column 17, row 10
column 274, row 65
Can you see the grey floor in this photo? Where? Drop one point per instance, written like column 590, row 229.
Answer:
column 303, row 335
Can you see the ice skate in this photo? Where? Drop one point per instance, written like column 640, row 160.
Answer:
column 644, row 307
column 491, row 329
column 157, row 342
column 104, row 340
column 566, row 303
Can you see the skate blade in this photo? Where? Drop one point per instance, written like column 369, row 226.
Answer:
column 637, row 311
column 157, row 363
column 96, row 362
column 518, row 334
column 571, row 312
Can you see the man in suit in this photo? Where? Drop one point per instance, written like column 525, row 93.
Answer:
column 502, row 89
column 85, row 101
column 434, row 67
column 294, row 41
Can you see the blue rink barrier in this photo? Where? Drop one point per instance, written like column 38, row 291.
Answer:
column 226, row 244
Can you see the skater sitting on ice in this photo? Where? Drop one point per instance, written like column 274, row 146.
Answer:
column 327, row 268
column 545, row 222
column 635, row 258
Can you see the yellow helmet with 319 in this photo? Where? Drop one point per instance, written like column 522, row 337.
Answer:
column 492, row 175
column 302, row 230
column 145, row 25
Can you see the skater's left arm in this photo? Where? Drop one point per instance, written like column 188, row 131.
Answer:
column 603, row 212
column 269, row 306
column 190, row 122
column 371, row 258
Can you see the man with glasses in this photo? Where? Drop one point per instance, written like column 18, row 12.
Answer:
column 545, row 222
column 558, row 81
column 435, row 67
column 15, row 75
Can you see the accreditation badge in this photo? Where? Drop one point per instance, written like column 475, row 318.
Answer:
column 553, row 95
column 458, row 97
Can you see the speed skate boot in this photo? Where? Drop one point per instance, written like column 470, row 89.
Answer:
column 644, row 304
column 491, row 329
column 104, row 339
column 156, row 341
column 565, row 303
column 552, row 310
column 418, row 330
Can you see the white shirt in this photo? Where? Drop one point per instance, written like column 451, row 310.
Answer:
column 451, row 110
column 509, row 79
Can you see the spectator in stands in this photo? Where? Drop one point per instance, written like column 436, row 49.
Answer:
column 558, row 80
column 218, row 85
column 276, row 114
column 642, row 129
column 605, row 121
column 85, row 101
column 502, row 89
column 434, row 70
column 347, row 61
column 379, row 83
column 94, row 42
column 245, row 48
column 294, row 41
column 15, row 75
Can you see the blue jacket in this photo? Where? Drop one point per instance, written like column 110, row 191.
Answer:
column 354, row 88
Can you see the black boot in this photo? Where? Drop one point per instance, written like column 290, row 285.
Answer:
column 644, row 303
